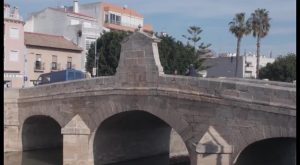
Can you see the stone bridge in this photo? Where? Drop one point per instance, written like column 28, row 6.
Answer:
column 138, row 112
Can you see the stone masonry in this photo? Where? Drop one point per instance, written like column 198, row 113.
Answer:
column 216, row 118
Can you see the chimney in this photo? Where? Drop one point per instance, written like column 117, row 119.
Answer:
column 76, row 6
column 16, row 12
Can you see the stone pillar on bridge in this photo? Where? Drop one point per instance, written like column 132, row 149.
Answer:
column 212, row 149
column 76, row 142
column 139, row 64
column 12, row 133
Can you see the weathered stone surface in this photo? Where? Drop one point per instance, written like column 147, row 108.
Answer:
column 12, row 140
column 76, row 127
column 75, row 149
column 187, row 104
column 212, row 143
column 177, row 146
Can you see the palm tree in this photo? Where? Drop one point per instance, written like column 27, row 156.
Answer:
column 239, row 27
column 260, row 25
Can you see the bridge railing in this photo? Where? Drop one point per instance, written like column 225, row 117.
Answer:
column 277, row 83
column 68, row 87
column 260, row 93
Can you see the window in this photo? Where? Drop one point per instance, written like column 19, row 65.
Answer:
column 7, row 84
column 112, row 18
column 106, row 18
column 54, row 63
column 13, row 55
column 248, row 73
column 38, row 62
column 14, row 33
column 118, row 19
column 69, row 63
column 248, row 64
column 88, row 42
column 115, row 19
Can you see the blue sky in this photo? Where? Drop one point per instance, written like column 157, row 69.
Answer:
column 175, row 16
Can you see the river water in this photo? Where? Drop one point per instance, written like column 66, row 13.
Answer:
column 54, row 157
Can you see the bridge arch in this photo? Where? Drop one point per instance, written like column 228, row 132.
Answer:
column 275, row 151
column 130, row 135
column 41, row 132
column 59, row 117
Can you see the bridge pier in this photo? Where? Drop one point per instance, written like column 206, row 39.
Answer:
column 76, row 142
column 205, row 157
column 212, row 149
column 12, row 133
column 211, row 159
column 12, row 139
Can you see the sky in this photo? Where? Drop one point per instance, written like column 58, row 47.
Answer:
column 213, row 16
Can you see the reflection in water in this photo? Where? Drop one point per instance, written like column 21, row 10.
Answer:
column 54, row 157
column 37, row 157
column 153, row 160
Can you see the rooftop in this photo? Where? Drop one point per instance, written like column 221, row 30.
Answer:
column 119, row 9
column 49, row 41
column 70, row 12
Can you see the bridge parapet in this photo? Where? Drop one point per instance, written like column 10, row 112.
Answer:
column 140, row 72
column 259, row 93
column 255, row 81
column 76, row 86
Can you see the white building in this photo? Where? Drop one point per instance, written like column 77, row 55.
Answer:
column 224, row 66
column 79, row 28
column 83, row 23
column 115, row 17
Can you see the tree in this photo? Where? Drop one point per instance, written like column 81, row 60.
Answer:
column 108, row 53
column 283, row 69
column 175, row 56
column 194, row 36
column 194, row 32
column 239, row 27
column 260, row 26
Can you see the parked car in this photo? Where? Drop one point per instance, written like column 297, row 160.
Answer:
column 59, row 76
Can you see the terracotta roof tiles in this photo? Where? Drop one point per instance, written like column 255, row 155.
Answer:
column 49, row 41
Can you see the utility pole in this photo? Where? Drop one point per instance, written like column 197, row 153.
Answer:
column 95, row 65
